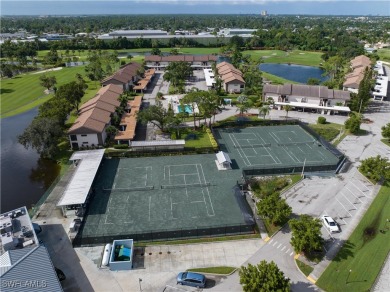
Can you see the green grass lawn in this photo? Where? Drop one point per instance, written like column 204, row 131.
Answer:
column 214, row 270
column 202, row 140
column 384, row 54
column 386, row 141
column 294, row 57
column 305, row 269
column 329, row 130
column 276, row 79
column 364, row 252
column 196, row 240
column 24, row 92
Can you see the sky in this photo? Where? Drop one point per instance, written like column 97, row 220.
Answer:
column 92, row 7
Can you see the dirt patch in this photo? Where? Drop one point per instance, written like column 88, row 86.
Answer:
column 369, row 233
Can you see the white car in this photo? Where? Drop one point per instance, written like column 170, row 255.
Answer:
column 330, row 224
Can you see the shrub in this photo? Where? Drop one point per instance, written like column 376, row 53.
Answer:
column 121, row 146
column 321, row 120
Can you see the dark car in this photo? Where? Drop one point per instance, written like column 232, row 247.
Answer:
column 191, row 279
column 60, row 274
column 37, row 228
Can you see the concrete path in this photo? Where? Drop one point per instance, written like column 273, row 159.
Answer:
column 158, row 266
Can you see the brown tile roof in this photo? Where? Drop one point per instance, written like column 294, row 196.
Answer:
column 130, row 120
column 306, row 91
column 229, row 73
column 229, row 77
column 98, row 104
column 354, row 81
column 93, row 120
column 95, row 114
column 124, row 74
column 153, row 58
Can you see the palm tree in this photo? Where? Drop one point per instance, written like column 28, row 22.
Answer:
column 242, row 108
column 264, row 110
column 287, row 108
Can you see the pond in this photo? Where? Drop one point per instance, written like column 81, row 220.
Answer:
column 24, row 176
column 297, row 73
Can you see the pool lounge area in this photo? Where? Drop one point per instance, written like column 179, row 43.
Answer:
column 174, row 101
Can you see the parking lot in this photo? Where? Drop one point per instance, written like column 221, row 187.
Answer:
column 344, row 197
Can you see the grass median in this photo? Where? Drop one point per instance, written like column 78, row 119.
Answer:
column 358, row 263
column 214, row 270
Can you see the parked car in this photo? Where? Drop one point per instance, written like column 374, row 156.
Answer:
column 60, row 274
column 191, row 279
column 37, row 228
column 330, row 224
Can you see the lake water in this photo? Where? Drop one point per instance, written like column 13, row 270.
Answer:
column 295, row 73
column 24, row 176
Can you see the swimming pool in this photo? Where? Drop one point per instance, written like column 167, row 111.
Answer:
column 187, row 109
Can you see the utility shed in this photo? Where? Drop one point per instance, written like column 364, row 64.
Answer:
column 121, row 255
column 223, row 161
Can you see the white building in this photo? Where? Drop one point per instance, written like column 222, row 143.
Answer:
column 197, row 62
column 309, row 97
column 89, row 129
column 231, row 77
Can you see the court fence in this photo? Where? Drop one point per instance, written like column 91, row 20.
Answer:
column 150, row 152
column 158, row 235
column 325, row 143
column 250, row 123
column 249, row 172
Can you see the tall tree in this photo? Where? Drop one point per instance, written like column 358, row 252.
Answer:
column 43, row 135
column 192, row 99
column 274, row 208
column 306, row 234
column 287, row 108
column 386, row 131
column 47, row 81
column 73, row 92
column 94, row 70
column 265, row 277
column 157, row 115
column 376, row 168
column 264, row 110
column 176, row 72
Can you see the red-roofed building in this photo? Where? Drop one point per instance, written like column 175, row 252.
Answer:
column 126, row 76
column 197, row 62
column 231, row 77
column 89, row 129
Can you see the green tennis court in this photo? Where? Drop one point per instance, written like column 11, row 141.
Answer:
column 163, row 196
column 273, row 146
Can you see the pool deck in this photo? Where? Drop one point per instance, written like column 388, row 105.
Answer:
column 174, row 100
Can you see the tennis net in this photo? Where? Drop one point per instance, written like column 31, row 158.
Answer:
column 185, row 185
column 297, row 143
column 253, row 145
column 133, row 189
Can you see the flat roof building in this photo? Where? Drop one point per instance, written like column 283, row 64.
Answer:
column 24, row 264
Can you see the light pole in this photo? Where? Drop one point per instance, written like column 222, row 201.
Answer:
column 346, row 281
column 139, row 281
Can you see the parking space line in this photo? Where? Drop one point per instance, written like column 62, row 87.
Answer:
column 348, row 201
column 353, row 194
column 270, row 241
column 344, row 207
column 341, row 218
column 291, row 254
column 283, row 248
column 275, row 243
column 287, row 250
column 279, row 246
